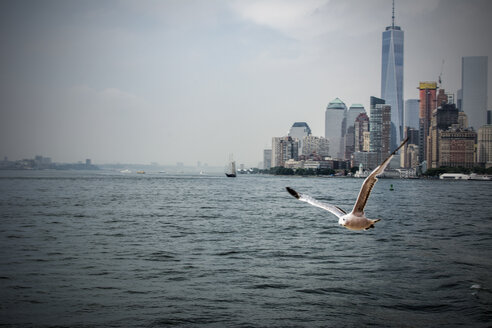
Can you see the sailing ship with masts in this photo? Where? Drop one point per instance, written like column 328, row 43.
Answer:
column 231, row 169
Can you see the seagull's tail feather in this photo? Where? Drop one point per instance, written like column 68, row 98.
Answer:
column 372, row 224
column 293, row 192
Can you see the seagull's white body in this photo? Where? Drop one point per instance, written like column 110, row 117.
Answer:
column 356, row 219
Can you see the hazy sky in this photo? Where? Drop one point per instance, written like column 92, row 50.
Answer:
column 186, row 81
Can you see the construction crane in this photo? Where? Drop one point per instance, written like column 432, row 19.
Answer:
column 440, row 74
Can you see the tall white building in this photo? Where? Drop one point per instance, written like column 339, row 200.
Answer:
column 335, row 118
column 299, row 130
column 474, row 72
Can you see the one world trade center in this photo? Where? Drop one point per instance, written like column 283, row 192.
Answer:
column 392, row 78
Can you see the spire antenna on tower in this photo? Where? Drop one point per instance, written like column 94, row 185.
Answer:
column 393, row 16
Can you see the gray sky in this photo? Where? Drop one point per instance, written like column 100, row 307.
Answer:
column 186, row 81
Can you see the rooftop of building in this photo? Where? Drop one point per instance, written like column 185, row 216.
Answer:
column 362, row 117
column 391, row 27
column 337, row 104
column 300, row 125
column 427, row 85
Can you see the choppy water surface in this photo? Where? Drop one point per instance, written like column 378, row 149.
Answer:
column 106, row 249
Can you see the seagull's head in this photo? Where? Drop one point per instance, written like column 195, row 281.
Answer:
column 342, row 221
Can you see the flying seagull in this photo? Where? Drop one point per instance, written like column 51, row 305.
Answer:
column 355, row 220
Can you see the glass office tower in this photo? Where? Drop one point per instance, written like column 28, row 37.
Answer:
column 392, row 78
column 379, row 128
column 474, row 71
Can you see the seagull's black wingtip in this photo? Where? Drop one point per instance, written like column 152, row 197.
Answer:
column 293, row 192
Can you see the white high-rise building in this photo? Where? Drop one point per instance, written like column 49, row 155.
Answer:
column 335, row 117
column 299, row 130
column 474, row 72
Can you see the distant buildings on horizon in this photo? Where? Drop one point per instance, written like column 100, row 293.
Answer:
column 45, row 163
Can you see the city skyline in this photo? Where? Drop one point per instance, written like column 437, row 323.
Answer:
column 167, row 82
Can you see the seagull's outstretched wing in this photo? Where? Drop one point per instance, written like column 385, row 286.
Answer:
column 308, row 199
column 369, row 183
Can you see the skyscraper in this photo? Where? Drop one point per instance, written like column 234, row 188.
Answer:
column 427, row 92
column 349, row 140
column 283, row 149
column 353, row 112
column 410, row 152
column 361, row 125
column 442, row 119
column 484, row 146
column 335, row 115
column 474, row 72
column 379, row 127
column 411, row 117
column 392, row 77
column 299, row 130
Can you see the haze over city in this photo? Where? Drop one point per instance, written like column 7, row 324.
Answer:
column 188, row 81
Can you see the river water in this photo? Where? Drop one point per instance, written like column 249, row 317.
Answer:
column 106, row 249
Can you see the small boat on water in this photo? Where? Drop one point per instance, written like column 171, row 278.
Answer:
column 141, row 172
column 461, row 176
column 231, row 173
column 125, row 171
column 454, row 176
column 475, row 176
